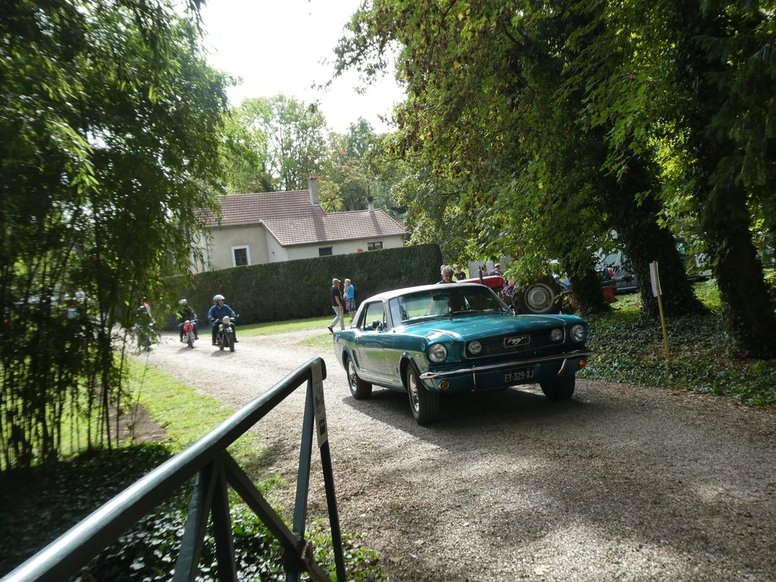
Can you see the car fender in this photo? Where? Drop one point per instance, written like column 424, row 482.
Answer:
column 347, row 355
column 408, row 359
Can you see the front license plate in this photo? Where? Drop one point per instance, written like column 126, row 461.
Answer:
column 518, row 375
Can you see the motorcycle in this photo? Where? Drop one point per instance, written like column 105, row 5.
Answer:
column 225, row 334
column 189, row 332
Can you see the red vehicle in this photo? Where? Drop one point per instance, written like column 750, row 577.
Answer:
column 188, row 333
column 541, row 297
column 545, row 296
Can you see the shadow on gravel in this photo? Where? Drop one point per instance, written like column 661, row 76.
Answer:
column 468, row 410
column 465, row 412
column 630, row 484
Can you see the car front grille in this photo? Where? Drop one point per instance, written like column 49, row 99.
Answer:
column 512, row 344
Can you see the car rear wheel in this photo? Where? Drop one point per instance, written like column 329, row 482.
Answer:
column 423, row 404
column 359, row 389
column 541, row 297
column 560, row 388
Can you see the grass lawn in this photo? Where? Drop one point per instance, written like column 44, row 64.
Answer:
column 271, row 328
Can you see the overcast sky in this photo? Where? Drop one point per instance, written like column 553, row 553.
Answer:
column 286, row 46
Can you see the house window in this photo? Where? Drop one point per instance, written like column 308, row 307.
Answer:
column 374, row 246
column 240, row 256
column 325, row 251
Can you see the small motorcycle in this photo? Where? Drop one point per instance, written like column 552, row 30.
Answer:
column 189, row 332
column 225, row 334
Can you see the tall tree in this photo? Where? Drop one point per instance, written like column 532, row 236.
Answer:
column 700, row 81
column 296, row 138
column 110, row 135
column 246, row 153
column 348, row 174
column 490, row 114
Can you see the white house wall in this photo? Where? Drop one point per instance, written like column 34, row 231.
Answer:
column 223, row 240
column 277, row 253
column 341, row 247
column 264, row 248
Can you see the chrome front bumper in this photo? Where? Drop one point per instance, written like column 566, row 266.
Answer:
column 508, row 365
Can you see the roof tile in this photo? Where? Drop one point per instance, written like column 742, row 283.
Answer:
column 293, row 220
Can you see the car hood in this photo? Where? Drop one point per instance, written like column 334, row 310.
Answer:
column 469, row 327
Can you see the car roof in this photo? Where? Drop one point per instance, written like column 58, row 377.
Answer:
column 386, row 295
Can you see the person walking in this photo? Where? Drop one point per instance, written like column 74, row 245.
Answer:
column 336, row 305
column 144, row 325
column 350, row 297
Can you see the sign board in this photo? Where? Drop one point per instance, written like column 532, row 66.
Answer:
column 319, row 408
column 654, row 278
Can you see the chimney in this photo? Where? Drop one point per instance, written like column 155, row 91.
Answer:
column 370, row 203
column 312, row 183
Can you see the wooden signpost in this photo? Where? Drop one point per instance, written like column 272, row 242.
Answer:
column 654, row 277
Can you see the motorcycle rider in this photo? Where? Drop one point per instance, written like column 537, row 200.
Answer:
column 217, row 313
column 186, row 313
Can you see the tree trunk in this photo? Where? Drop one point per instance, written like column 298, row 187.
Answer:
column 645, row 241
column 586, row 283
column 720, row 193
column 748, row 306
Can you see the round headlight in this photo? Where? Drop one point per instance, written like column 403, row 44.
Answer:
column 578, row 333
column 437, row 353
column 556, row 335
column 475, row 348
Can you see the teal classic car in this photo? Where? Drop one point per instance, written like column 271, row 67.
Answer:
column 459, row 337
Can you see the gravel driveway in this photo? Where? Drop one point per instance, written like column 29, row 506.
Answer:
column 620, row 483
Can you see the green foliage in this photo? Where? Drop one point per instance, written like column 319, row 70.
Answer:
column 294, row 134
column 533, row 133
column 629, row 348
column 246, row 153
column 109, row 136
column 300, row 289
column 60, row 495
column 362, row 563
column 149, row 550
column 347, row 178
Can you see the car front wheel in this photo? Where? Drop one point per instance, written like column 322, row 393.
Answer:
column 423, row 404
column 358, row 388
column 560, row 388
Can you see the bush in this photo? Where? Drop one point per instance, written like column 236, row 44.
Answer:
column 300, row 289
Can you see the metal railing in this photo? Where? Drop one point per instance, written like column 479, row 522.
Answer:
column 214, row 468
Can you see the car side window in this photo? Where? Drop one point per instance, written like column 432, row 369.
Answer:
column 398, row 309
column 374, row 318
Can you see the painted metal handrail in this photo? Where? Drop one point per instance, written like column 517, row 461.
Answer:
column 214, row 468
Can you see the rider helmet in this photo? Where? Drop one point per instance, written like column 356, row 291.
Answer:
column 217, row 298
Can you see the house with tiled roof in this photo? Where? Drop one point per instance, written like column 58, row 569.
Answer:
column 269, row 227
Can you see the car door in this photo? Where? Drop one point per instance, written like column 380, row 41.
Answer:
column 370, row 355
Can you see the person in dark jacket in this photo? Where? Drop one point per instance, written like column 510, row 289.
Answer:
column 186, row 313
column 337, row 305
column 217, row 313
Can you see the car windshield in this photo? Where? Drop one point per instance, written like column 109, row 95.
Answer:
column 446, row 303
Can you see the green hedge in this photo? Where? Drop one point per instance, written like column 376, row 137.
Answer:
column 300, row 289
